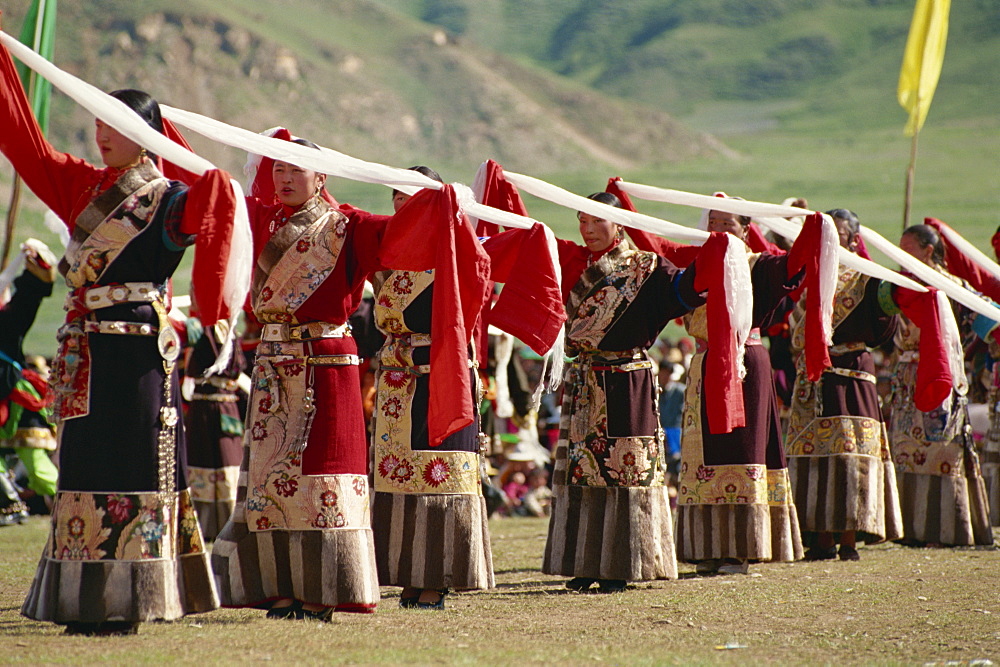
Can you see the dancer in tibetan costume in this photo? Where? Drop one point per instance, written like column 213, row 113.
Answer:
column 611, row 520
column 299, row 541
column 735, row 503
column 430, row 517
column 991, row 447
column 963, row 266
column 125, row 546
column 25, row 396
column 942, row 491
column 838, row 453
column 214, row 426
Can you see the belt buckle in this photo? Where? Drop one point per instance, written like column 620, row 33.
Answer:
column 276, row 332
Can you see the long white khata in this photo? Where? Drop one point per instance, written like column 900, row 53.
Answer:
column 736, row 270
column 768, row 216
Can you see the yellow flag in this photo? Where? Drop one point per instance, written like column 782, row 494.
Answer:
column 922, row 60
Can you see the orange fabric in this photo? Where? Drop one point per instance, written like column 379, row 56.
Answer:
column 427, row 232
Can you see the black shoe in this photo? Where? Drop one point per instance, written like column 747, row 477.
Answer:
column 409, row 602
column 105, row 629
column 612, row 585
column 819, row 553
column 580, row 583
column 434, row 605
column 322, row 615
column 82, row 629
column 849, row 553
column 288, row 612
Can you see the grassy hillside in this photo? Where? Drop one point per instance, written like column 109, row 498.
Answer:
column 356, row 77
column 804, row 90
column 676, row 55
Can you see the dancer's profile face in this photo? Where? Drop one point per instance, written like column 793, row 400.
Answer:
column 909, row 244
column 848, row 239
column 116, row 149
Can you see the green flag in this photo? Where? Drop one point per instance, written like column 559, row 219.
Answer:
column 38, row 32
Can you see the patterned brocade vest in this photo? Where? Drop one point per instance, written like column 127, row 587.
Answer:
column 399, row 468
column 610, row 425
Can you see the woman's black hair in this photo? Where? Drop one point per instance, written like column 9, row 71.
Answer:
column 925, row 235
column 141, row 103
column 426, row 171
column 606, row 198
column 305, row 142
column 144, row 106
column 848, row 216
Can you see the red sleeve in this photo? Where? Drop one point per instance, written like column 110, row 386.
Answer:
column 530, row 306
column 934, row 379
column 169, row 169
column 573, row 262
column 963, row 267
column 368, row 233
column 805, row 256
column 678, row 254
column 209, row 212
column 60, row 180
column 759, row 243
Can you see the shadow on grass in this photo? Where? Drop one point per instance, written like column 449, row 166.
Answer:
column 518, row 570
column 530, row 584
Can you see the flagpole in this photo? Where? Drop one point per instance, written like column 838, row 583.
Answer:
column 15, row 203
column 910, row 171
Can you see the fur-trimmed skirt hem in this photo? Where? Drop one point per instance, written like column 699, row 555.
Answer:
column 432, row 541
column 611, row 533
column 951, row 510
column 991, row 475
column 74, row 591
column 745, row 531
column 846, row 492
column 329, row 567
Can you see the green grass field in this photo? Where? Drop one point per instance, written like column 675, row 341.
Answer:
column 896, row 606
